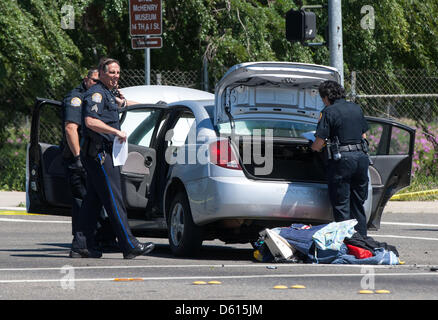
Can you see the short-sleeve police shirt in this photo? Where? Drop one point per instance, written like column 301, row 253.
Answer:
column 101, row 104
column 342, row 119
column 72, row 104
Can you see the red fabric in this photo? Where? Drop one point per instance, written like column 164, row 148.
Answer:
column 359, row 253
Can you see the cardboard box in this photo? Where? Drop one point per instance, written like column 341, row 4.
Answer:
column 279, row 247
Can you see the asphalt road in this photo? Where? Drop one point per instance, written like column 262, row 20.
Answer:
column 34, row 265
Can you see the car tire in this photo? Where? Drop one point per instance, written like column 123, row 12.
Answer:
column 185, row 237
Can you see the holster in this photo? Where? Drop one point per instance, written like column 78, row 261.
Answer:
column 92, row 147
column 365, row 148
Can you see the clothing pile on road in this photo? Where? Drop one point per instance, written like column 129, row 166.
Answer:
column 333, row 243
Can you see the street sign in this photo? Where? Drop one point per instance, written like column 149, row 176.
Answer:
column 145, row 17
column 143, row 42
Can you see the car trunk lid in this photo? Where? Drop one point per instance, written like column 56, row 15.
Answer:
column 271, row 90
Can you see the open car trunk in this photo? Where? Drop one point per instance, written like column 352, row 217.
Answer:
column 280, row 100
column 283, row 159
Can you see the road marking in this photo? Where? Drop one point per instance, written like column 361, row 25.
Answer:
column 307, row 275
column 256, row 265
column 36, row 221
column 410, row 224
column 402, row 237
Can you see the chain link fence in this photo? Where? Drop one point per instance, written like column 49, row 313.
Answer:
column 136, row 77
column 50, row 118
column 401, row 94
column 408, row 96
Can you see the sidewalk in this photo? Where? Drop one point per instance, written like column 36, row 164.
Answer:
column 11, row 200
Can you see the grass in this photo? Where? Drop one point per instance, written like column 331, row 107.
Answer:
column 421, row 183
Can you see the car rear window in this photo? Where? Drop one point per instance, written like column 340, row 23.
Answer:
column 280, row 128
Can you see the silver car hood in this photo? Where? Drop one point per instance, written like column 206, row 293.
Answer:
column 271, row 90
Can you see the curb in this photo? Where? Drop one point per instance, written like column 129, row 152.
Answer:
column 13, row 208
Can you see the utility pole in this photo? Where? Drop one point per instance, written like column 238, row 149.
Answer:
column 335, row 36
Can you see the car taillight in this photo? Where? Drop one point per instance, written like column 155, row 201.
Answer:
column 222, row 155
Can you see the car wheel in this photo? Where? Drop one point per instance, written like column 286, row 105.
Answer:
column 185, row 237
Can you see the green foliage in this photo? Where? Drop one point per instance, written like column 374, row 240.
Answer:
column 13, row 160
column 39, row 58
column 419, row 183
column 35, row 56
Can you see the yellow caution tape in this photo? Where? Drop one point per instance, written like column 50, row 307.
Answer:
column 401, row 196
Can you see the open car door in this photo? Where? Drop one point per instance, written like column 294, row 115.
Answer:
column 391, row 147
column 47, row 189
column 141, row 124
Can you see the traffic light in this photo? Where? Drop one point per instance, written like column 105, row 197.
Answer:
column 300, row 25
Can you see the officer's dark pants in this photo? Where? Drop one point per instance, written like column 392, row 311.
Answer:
column 104, row 188
column 77, row 182
column 348, row 188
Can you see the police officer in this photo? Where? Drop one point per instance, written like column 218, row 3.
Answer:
column 100, row 118
column 76, row 175
column 343, row 125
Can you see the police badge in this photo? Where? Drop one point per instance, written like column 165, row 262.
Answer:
column 96, row 97
column 76, row 102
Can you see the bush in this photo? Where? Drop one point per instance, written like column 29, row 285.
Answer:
column 13, row 160
column 425, row 159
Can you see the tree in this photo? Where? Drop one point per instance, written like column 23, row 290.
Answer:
column 35, row 56
column 38, row 57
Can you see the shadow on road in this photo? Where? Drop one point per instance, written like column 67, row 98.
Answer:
column 208, row 252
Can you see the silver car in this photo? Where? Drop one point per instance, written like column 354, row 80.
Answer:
column 225, row 166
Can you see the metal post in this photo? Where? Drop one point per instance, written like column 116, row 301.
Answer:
column 353, row 86
column 147, row 66
column 335, row 36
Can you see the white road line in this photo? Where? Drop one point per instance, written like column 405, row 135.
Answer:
column 256, row 265
column 402, row 237
column 410, row 224
column 37, row 221
column 136, row 279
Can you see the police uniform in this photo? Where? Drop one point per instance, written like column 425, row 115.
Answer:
column 103, row 178
column 348, row 176
column 76, row 175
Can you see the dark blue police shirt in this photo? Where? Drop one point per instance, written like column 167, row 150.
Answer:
column 71, row 112
column 72, row 104
column 343, row 119
column 101, row 104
